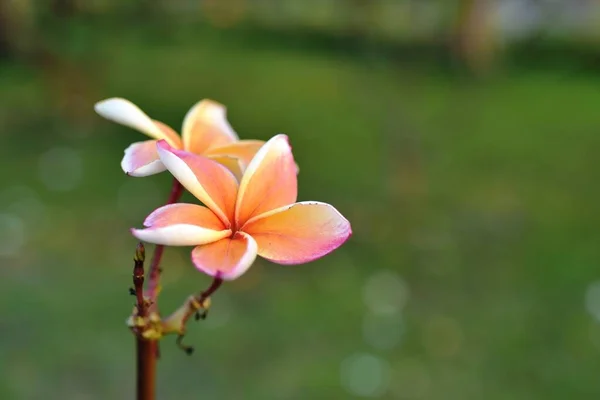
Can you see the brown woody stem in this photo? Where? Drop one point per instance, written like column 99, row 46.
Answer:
column 148, row 350
column 146, row 368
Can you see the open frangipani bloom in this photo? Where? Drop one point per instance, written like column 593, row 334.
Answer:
column 205, row 131
column 258, row 216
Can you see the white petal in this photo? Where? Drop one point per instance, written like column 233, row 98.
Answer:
column 180, row 235
column 126, row 113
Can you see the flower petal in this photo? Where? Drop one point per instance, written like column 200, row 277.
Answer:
column 244, row 150
column 298, row 233
column 141, row 159
column 182, row 225
column 269, row 181
column 211, row 183
column 183, row 213
column 126, row 113
column 205, row 125
column 228, row 258
column 231, row 163
column 171, row 136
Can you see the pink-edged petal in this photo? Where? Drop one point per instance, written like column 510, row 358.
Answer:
column 183, row 213
column 141, row 159
column 205, row 125
column 244, row 150
column 182, row 225
column 126, row 113
column 211, row 183
column 228, row 258
column 269, row 181
column 298, row 233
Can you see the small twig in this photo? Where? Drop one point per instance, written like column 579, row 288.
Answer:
column 198, row 302
column 216, row 283
column 197, row 305
column 201, row 300
column 189, row 350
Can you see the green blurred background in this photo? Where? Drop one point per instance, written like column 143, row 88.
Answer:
column 460, row 138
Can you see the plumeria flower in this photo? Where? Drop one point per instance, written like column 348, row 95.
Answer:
column 205, row 131
column 258, row 216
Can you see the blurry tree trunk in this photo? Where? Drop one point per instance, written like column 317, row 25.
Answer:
column 17, row 28
column 474, row 42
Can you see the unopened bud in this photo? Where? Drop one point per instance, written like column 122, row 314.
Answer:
column 140, row 253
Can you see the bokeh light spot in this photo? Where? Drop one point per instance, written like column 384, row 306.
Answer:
column 12, row 234
column 592, row 299
column 61, row 168
column 385, row 292
column 365, row 375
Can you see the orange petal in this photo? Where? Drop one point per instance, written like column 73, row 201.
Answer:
column 141, row 159
column 209, row 181
column 226, row 259
column 182, row 225
column 298, row 233
column 244, row 150
column 206, row 125
column 170, row 135
column 126, row 113
column 231, row 163
column 269, row 181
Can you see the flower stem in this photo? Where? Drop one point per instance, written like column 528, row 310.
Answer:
column 216, row 283
column 154, row 274
column 148, row 350
column 146, row 362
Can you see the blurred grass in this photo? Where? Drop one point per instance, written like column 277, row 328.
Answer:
column 481, row 195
